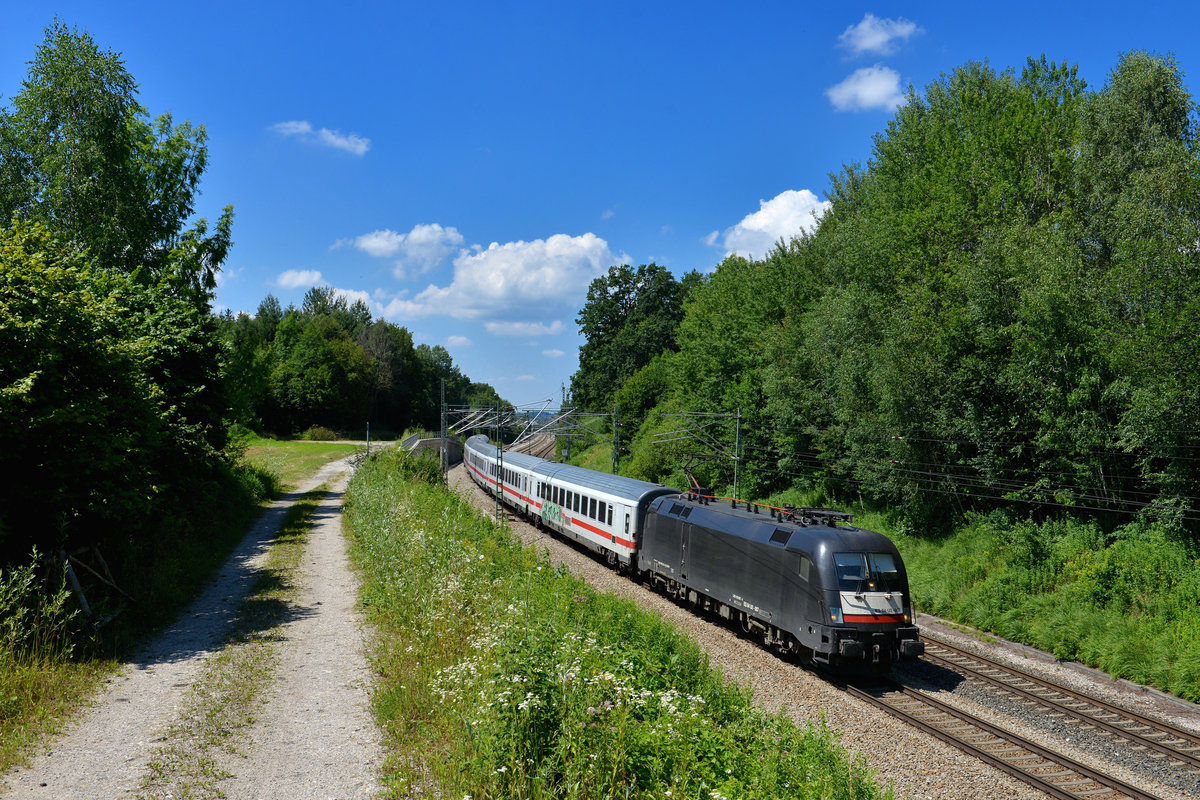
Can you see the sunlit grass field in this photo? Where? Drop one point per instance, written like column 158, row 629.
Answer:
column 294, row 460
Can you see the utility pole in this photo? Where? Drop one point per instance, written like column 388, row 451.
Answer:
column 499, row 464
column 445, row 453
column 616, row 444
column 737, row 455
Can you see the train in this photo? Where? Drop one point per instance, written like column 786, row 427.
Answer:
column 803, row 581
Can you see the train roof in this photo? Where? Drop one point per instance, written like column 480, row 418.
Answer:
column 790, row 535
column 616, row 485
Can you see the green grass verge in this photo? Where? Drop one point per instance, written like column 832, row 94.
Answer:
column 500, row 676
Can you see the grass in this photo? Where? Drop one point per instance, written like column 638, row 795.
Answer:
column 219, row 709
column 294, row 461
column 500, row 676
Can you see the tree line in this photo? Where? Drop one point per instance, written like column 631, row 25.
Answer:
column 328, row 363
column 998, row 309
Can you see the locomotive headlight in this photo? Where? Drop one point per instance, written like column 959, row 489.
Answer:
column 835, row 615
column 907, row 614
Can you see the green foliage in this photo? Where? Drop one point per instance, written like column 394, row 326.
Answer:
column 110, row 396
column 631, row 315
column 998, row 309
column 329, row 364
column 504, row 677
column 79, row 154
column 1123, row 602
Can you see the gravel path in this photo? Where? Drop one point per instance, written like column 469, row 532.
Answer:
column 917, row 765
column 314, row 737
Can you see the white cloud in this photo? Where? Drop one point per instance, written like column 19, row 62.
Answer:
column 516, row 279
column 424, row 248
column 304, row 131
column 782, row 217
column 867, row 88
column 875, row 35
column 295, row 278
column 352, row 295
column 608, row 214
column 553, row 353
column 458, row 341
column 525, row 328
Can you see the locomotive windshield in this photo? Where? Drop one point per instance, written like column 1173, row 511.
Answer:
column 867, row 572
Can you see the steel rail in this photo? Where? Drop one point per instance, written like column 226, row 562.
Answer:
column 1176, row 743
column 1071, row 781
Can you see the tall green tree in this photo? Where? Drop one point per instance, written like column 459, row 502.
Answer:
column 79, row 154
column 631, row 315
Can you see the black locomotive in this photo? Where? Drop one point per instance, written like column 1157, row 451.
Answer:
column 805, row 580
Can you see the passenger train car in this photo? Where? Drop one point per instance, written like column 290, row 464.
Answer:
column 805, row 581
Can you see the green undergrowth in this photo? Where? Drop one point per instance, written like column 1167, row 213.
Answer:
column 501, row 676
column 1123, row 601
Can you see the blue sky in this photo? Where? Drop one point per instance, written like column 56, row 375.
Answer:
column 468, row 168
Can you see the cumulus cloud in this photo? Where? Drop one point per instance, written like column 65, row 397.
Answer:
column 295, row 278
column 782, row 217
column 525, row 328
column 423, row 249
column 352, row 295
column 553, row 353
column 875, row 35
column 867, row 88
column 304, row 131
column 515, row 279
column 458, row 341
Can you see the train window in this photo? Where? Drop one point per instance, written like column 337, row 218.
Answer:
column 610, row 516
column 592, row 506
column 578, row 502
column 602, row 505
column 871, row 572
column 627, row 523
column 805, row 568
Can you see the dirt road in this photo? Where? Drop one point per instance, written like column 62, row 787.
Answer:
column 309, row 733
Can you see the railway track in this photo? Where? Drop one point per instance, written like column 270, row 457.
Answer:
column 1159, row 739
column 539, row 446
column 1040, row 767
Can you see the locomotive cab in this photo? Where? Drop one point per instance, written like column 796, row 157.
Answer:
column 869, row 619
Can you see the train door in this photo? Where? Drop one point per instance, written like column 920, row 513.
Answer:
column 685, row 545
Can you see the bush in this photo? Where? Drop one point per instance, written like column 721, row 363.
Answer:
column 316, row 433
